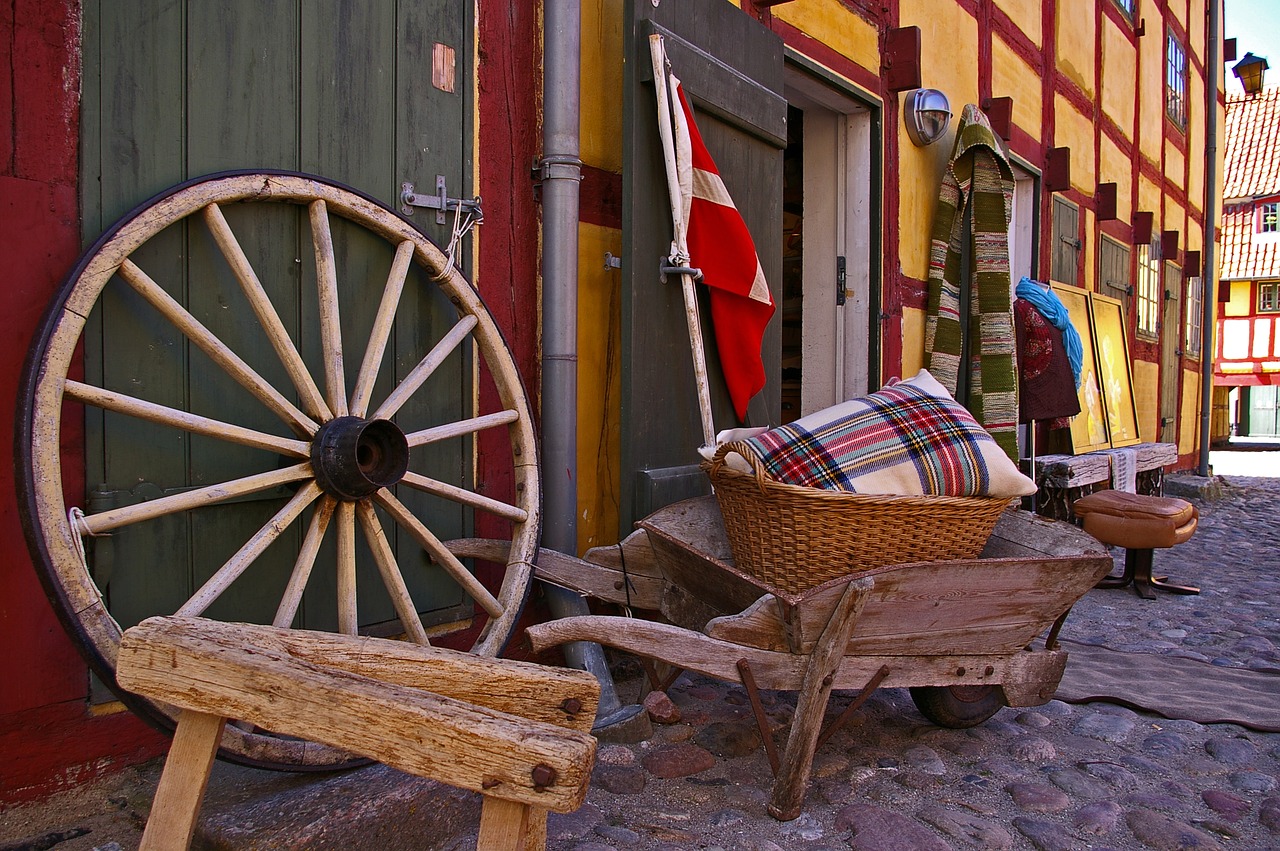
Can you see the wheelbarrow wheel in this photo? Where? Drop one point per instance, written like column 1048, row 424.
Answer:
column 958, row 707
column 355, row 424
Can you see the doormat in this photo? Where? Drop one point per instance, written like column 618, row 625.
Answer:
column 1172, row 687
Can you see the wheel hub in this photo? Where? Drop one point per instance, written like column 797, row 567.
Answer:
column 353, row 457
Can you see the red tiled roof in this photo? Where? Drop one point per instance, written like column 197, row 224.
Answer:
column 1251, row 171
column 1247, row 255
column 1252, row 158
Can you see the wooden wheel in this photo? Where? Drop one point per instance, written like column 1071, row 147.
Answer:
column 346, row 424
column 958, row 707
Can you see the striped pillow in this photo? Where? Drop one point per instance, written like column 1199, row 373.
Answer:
column 908, row 438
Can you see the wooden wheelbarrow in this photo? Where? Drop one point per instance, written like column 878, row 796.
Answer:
column 959, row 634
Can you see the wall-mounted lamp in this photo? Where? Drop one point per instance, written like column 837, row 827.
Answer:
column 1250, row 71
column 927, row 113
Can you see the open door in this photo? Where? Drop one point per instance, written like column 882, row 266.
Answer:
column 732, row 68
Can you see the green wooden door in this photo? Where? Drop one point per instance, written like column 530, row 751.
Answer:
column 732, row 70
column 371, row 95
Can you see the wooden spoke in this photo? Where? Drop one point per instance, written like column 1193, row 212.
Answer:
column 216, row 349
column 335, row 377
column 164, row 415
column 236, row 565
column 268, row 318
column 444, row 432
column 438, row 552
column 105, row 521
column 390, row 570
column 243, row 213
column 464, row 496
column 381, row 329
column 306, row 560
column 425, row 367
column 348, row 621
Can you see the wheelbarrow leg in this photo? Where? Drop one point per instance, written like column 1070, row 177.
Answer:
column 797, row 760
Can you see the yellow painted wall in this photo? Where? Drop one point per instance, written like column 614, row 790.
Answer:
column 1012, row 77
column 1076, row 31
column 1027, row 15
column 1149, row 200
column 1151, row 85
column 600, row 124
column 1175, row 163
column 1115, row 167
column 1241, row 303
column 1189, row 416
column 1119, row 75
column 949, row 57
column 1075, row 131
column 912, row 341
column 599, row 386
column 1146, row 387
column 837, row 26
column 1196, row 143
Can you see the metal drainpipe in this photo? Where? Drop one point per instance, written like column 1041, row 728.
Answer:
column 1209, row 277
column 560, row 171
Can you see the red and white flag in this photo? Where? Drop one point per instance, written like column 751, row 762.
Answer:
column 719, row 244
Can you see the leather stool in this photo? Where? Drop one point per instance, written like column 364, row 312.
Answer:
column 1140, row 524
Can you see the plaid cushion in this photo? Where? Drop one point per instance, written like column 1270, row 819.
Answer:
column 908, row 438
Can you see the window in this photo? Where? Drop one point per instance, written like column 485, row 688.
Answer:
column 1269, row 217
column 1126, row 6
column 1149, row 289
column 1175, row 81
column 1113, row 271
column 1066, row 242
column 1269, row 296
column 1195, row 316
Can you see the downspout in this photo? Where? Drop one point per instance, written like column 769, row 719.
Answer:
column 559, row 172
column 1209, row 277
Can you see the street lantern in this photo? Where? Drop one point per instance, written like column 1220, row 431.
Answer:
column 1250, row 71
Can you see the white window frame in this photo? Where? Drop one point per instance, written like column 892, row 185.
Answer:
column 1175, row 80
column 1193, row 322
column 1148, row 293
column 1268, row 296
column 1269, row 218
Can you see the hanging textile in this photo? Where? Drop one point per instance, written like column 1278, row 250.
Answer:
column 977, row 185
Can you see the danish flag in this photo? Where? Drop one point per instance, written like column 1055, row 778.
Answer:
column 721, row 246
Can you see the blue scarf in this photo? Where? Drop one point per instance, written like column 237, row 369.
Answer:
column 1052, row 309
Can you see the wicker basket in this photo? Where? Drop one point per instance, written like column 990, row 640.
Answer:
column 795, row 537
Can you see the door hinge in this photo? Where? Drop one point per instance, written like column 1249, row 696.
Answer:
column 841, row 279
column 440, row 201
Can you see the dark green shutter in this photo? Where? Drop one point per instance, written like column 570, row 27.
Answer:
column 732, row 70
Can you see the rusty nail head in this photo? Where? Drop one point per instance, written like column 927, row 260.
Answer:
column 959, row 672
column 543, row 775
column 990, row 670
column 571, row 706
column 490, row 782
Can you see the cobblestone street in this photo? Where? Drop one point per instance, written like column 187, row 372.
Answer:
column 1059, row 776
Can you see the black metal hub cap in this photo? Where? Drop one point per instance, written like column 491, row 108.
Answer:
column 353, row 457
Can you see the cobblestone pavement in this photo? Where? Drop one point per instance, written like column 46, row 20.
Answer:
column 1058, row 776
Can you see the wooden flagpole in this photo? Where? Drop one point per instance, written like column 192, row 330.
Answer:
column 658, row 54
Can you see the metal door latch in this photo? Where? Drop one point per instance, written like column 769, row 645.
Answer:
column 440, row 201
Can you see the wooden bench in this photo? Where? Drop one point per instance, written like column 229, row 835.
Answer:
column 516, row 732
column 1065, row 478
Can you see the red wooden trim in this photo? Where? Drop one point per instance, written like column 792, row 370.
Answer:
column 1106, row 199
column 1169, row 246
column 1143, row 225
column 985, row 37
column 1119, row 231
column 1228, row 50
column 1073, row 94
column 901, row 59
column 1192, row 263
column 1057, row 169
column 1016, row 40
column 600, row 197
column 999, row 111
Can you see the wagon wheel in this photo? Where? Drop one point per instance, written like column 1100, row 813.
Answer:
column 958, row 707
column 337, row 448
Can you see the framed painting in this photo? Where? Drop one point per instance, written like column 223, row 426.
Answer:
column 1111, row 349
column 1089, row 427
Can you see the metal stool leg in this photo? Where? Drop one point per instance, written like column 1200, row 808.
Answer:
column 1143, row 580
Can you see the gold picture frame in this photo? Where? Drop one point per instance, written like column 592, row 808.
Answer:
column 1089, row 427
column 1111, row 349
